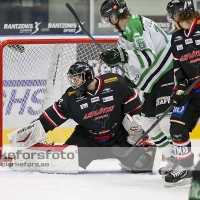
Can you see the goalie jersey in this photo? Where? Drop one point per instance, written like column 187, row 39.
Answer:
column 99, row 112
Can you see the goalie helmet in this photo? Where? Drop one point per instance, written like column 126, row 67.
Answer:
column 80, row 75
column 176, row 8
column 110, row 7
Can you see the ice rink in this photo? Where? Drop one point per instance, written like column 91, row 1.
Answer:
column 103, row 180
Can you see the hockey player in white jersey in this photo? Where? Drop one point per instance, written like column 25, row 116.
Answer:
column 143, row 47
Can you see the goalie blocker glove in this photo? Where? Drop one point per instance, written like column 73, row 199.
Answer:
column 133, row 126
column 114, row 56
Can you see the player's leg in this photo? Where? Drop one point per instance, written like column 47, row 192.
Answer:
column 140, row 160
column 163, row 97
column 183, row 121
column 164, row 92
column 78, row 150
column 148, row 118
column 31, row 155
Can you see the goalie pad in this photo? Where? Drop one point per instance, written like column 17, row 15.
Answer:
column 27, row 136
column 145, row 160
column 133, row 126
column 47, row 158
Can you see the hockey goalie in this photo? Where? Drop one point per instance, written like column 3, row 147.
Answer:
column 108, row 116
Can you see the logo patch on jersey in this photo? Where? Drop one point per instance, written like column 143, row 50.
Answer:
column 106, row 90
column 178, row 38
column 140, row 44
column 83, row 106
column 179, row 111
column 109, row 98
column 163, row 100
column 193, row 57
column 167, row 84
column 95, row 99
column 188, row 41
column 70, row 93
column 197, row 42
column 179, row 47
column 197, row 33
column 81, row 98
column 111, row 79
column 99, row 111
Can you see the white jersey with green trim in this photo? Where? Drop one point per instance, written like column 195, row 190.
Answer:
column 149, row 52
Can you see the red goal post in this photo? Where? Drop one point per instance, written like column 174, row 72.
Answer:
column 33, row 76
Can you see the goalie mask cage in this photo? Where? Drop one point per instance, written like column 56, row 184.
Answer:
column 34, row 75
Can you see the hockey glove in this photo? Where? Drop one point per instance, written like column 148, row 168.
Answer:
column 133, row 126
column 178, row 97
column 114, row 56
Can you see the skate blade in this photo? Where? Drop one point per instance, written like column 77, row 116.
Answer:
column 184, row 181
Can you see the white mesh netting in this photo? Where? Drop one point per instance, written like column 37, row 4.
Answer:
column 34, row 76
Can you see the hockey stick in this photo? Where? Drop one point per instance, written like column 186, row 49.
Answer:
column 123, row 153
column 88, row 34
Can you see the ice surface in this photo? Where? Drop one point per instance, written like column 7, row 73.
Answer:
column 103, row 180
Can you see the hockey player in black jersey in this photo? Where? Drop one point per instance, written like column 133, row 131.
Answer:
column 185, row 44
column 108, row 115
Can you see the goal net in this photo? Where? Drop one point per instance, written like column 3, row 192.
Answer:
column 34, row 75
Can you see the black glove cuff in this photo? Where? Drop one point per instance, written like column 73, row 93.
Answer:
column 182, row 84
column 129, row 82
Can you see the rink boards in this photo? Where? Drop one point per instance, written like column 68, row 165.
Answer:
column 54, row 135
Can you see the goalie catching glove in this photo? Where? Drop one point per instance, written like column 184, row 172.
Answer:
column 114, row 56
column 133, row 126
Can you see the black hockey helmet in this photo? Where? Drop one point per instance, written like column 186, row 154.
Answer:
column 110, row 7
column 81, row 73
column 176, row 8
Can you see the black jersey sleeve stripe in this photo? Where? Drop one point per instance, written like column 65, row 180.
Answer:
column 135, row 109
column 55, row 107
column 131, row 98
column 157, row 70
column 147, row 57
column 49, row 119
